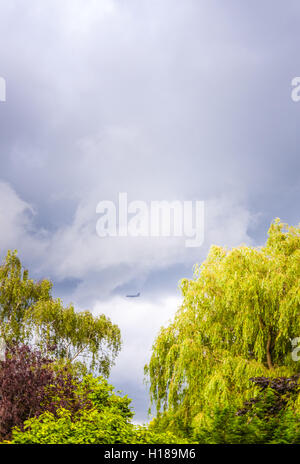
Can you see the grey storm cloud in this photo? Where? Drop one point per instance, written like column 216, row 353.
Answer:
column 163, row 100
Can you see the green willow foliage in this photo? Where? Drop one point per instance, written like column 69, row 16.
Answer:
column 237, row 319
column 29, row 314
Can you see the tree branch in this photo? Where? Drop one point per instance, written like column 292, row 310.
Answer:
column 269, row 359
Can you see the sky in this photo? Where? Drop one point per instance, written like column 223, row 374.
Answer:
column 161, row 99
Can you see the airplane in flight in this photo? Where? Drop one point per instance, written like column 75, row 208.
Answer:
column 133, row 296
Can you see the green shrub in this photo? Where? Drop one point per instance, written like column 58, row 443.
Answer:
column 262, row 423
column 107, row 422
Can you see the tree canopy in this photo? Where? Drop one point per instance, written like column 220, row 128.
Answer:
column 29, row 314
column 239, row 314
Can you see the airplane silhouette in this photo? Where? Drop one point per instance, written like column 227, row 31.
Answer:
column 133, row 296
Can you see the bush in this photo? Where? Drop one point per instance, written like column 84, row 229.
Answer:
column 269, row 418
column 108, row 421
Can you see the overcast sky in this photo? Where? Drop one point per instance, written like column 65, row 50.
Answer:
column 164, row 100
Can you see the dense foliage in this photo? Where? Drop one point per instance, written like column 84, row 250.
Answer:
column 238, row 317
column 29, row 314
column 106, row 421
column 272, row 416
column 42, row 401
column 30, row 384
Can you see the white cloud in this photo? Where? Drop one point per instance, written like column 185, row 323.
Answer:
column 139, row 322
column 16, row 223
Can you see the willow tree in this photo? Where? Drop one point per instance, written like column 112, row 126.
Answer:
column 29, row 314
column 239, row 314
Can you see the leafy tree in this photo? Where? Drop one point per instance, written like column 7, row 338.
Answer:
column 29, row 385
column 238, row 317
column 29, row 314
column 18, row 295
